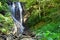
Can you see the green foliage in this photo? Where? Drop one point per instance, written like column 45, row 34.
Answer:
column 6, row 23
column 46, row 11
column 44, row 18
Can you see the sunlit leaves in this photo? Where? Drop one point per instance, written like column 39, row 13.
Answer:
column 0, row 4
column 7, row 23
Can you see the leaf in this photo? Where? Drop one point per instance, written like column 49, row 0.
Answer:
column 49, row 38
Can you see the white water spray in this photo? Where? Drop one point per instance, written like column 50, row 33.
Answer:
column 19, row 27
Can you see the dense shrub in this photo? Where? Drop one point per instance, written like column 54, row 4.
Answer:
column 6, row 22
column 44, row 17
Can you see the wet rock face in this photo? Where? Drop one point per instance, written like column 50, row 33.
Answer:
column 13, row 37
column 27, row 39
column 2, row 37
column 20, row 38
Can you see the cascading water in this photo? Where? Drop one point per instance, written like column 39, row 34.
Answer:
column 16, row 10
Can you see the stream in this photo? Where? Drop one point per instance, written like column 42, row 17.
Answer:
column 16, row 14
column 16, row 11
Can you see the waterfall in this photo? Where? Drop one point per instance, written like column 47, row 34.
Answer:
column 16, row 11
